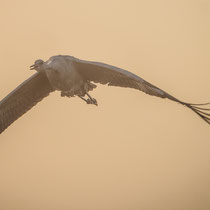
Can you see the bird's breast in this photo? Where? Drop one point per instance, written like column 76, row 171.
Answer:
column 63, row 79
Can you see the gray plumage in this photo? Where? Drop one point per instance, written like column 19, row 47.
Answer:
column 74, row 77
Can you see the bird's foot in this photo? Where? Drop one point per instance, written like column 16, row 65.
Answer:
column 92, row 101
column 89, row 100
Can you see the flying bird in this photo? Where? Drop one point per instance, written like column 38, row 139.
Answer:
column 74, row 77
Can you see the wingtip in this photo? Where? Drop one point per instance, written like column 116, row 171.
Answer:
column 204, row 113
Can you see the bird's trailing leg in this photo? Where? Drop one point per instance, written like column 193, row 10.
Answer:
column 90, row 100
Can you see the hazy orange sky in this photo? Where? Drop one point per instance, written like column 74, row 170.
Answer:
column 131, row 152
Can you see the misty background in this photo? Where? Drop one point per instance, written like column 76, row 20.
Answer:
column 131, row 152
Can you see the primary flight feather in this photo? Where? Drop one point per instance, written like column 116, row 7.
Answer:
column 74, row 77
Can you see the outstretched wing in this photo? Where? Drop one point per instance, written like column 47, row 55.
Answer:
column 114, row 76
column 23, row 98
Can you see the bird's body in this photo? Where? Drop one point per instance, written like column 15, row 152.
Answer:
column 74, row 77
column 63, row 76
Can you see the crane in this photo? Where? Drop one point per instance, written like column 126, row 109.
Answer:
column 75, row 77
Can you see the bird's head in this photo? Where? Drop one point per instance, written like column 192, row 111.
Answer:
column 38, row 65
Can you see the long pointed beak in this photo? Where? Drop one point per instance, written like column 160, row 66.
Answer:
column 32, row 67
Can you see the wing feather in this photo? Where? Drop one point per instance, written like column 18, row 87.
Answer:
column 23, row 98
column 114, row 76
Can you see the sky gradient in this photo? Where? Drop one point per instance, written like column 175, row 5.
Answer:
column 131, row 152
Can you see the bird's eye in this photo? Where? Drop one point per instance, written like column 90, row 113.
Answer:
column 39, row 62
